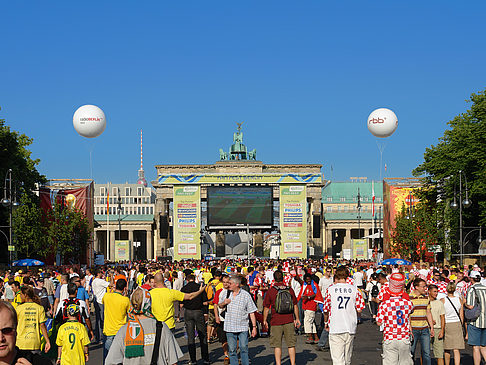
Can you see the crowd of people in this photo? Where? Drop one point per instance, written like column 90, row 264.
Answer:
column 53, row 315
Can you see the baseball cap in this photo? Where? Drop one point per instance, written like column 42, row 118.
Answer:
column 475, row 274
column 72, row 310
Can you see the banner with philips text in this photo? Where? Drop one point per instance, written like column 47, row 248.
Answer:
column 293, row 221
column 187, row 222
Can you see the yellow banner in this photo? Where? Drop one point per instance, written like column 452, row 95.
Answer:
column 187, row 222
column 293, row 221
column 185, row 179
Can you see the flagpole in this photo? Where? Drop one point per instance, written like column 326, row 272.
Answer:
column 108, row 221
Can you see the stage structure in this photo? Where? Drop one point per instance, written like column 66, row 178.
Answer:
column 239, row 194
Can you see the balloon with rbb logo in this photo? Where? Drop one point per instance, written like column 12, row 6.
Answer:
column 89, row 121
column 382, row 122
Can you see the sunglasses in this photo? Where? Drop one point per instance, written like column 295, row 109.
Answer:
column 7, row 331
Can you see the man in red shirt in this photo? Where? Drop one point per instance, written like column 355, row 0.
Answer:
column 282, row 323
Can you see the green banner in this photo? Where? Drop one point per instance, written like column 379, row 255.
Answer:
column 359, row 249
column 293, row 221
column 187, row 222
column 122, row 250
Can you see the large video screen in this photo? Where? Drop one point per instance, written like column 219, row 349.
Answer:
column 231, row 206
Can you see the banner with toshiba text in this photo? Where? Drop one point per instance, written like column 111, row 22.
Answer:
column 187, row 222
column 293, row 221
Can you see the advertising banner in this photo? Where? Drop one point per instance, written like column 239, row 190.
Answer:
column 241, row 178
column 394, row 198
column 81, row 198
column 187, row 222
column 293, row 221
column 359, row 249
column 122, row 250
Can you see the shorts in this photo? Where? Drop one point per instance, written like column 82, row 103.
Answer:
column 438, row 345
column 283, row 330
column 211, row 318
column 476, row 335
column 221, row 333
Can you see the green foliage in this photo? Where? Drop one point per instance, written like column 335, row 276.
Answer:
column 15, row 155
column 462, row 147
column 68, row 232
column 30, row 234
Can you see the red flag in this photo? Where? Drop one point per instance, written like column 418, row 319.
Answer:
column 373, row 199
column 108, row 202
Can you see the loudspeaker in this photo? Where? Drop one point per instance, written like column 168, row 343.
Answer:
column 164, row 226
column 316, row 226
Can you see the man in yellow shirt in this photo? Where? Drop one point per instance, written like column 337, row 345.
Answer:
column 163, row 300
column 213, row 286
column 116, row 306
column 16, row 290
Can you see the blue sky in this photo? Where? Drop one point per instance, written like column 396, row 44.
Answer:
column 303, row 76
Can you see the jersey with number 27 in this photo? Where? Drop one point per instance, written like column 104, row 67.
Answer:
column 72, row 337
column 342, row 303
column 394, row 315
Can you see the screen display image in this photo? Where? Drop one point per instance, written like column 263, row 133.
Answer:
column 230, row 206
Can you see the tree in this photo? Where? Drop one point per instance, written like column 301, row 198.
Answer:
column 15, row 155
column 461, row 148
column 68, row 232
column 30, row 234
column 416, row 229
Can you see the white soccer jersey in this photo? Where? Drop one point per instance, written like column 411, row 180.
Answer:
column 342, row 303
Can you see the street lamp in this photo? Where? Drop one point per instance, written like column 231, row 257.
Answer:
column 119, row 208
column 9, row 201
column 466, row 203
column 358, row 207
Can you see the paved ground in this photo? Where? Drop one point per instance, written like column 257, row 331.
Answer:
column 367, row 349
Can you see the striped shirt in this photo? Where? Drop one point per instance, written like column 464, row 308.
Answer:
column 418, row 318
column 471, row 300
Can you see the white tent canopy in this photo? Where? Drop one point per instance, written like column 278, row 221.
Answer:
column 374, row 235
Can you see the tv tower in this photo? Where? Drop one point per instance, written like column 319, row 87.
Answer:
column 141, row 173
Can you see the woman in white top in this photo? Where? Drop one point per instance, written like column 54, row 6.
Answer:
column 454, row 318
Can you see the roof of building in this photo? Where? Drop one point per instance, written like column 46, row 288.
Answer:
column 349, row 190
column 101, row 218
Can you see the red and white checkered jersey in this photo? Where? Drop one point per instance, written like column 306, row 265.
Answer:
column 383, row 290
column 342, row 303
column 349, row 280
column 287, row 279
column 394, row 315
column 462, row 287
column 442, row 285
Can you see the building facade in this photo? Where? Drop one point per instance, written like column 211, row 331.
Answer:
column 124, row 212
column 349, row 215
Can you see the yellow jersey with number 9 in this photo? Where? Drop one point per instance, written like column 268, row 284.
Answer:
column 72, row 337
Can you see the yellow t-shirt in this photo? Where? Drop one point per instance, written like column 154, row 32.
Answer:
column 17, row 300
column 72, row 337
column 140, row 278
column 210, row 292
column 163, row 304
column 116, row 309
column 30, row 316
column 207, row 276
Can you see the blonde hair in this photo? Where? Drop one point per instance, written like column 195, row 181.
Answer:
column 137, row 299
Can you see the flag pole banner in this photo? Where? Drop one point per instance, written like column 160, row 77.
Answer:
column 293, row 221
column 187, row 222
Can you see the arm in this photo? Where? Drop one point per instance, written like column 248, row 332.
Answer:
column 190, row 296
column 296, row 316
column 86, row 353
column 442, row 326
column 90, row 327
column 46, row 337
column 253, row 322
column 216, row 314
column 56, row 304
column 59, row 352
column 430, row 320
column 265, row 316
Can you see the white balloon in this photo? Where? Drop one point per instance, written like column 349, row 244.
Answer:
column 89, row 121
column 382, row 122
